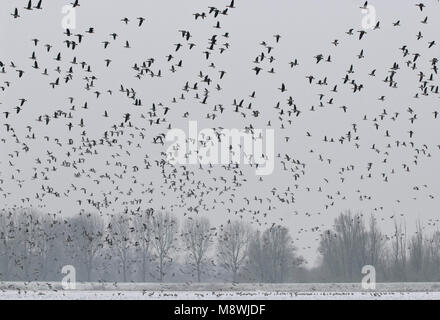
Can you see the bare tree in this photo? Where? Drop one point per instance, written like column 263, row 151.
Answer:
column 233, row 247
column 27, row 226
column 417, row 250
column 142, row 236
column 119, row 230
column 197, row 238
column 256, row 264
column 48, row 245
column 8, row 241
column 272, row 256
column 164, row 230
column 348, row 247
column 399, row 252
column 433, row 256
column 86, row 233
column 375, row 244
column 28, row 244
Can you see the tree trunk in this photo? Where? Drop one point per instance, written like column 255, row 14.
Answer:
column 144, row 267
column 161, row 268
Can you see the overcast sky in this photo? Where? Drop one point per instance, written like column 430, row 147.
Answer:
column 307, row 28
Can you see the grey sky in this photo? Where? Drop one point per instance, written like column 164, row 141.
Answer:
column 307, row 29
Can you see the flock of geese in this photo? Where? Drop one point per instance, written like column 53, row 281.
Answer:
column 93, row 155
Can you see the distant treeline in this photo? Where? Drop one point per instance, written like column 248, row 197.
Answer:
column 149, row 246
column 354, row 243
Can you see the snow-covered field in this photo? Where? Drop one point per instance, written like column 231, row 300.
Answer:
column 185, row 295
column 151, row 291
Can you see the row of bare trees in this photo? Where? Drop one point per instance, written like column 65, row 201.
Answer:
column 354, row 242
column 140, row 246
column 150, row 246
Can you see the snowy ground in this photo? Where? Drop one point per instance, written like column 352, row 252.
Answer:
column 151, row 291
column 201, row 295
